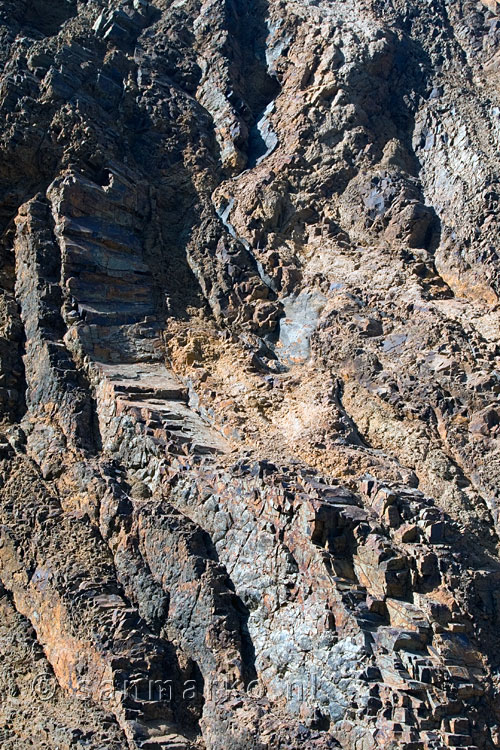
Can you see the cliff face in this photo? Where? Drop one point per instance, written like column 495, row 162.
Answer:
column 249, row 374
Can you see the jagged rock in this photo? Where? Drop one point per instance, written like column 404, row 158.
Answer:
column 249, row 375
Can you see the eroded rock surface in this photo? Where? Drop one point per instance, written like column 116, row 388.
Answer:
column 249, row 374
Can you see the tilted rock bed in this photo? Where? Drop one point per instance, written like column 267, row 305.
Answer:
column 249, row 375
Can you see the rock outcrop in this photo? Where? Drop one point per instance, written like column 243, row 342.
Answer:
column 249, row 374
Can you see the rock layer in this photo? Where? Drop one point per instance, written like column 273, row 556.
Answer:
column 249, row 362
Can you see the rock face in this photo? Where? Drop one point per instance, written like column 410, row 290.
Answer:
column 249, row 374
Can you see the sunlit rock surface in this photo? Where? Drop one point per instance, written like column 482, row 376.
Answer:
column 249, row 375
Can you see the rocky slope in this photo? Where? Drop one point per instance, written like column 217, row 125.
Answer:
column 249, row 374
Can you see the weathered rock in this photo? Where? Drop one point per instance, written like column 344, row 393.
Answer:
column 249, row 374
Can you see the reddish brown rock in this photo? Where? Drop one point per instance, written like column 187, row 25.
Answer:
column 249, row 375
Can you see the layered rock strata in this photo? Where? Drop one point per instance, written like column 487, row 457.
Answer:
column 249, row 375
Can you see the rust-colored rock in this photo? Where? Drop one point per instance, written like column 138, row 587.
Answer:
column 249, row 375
